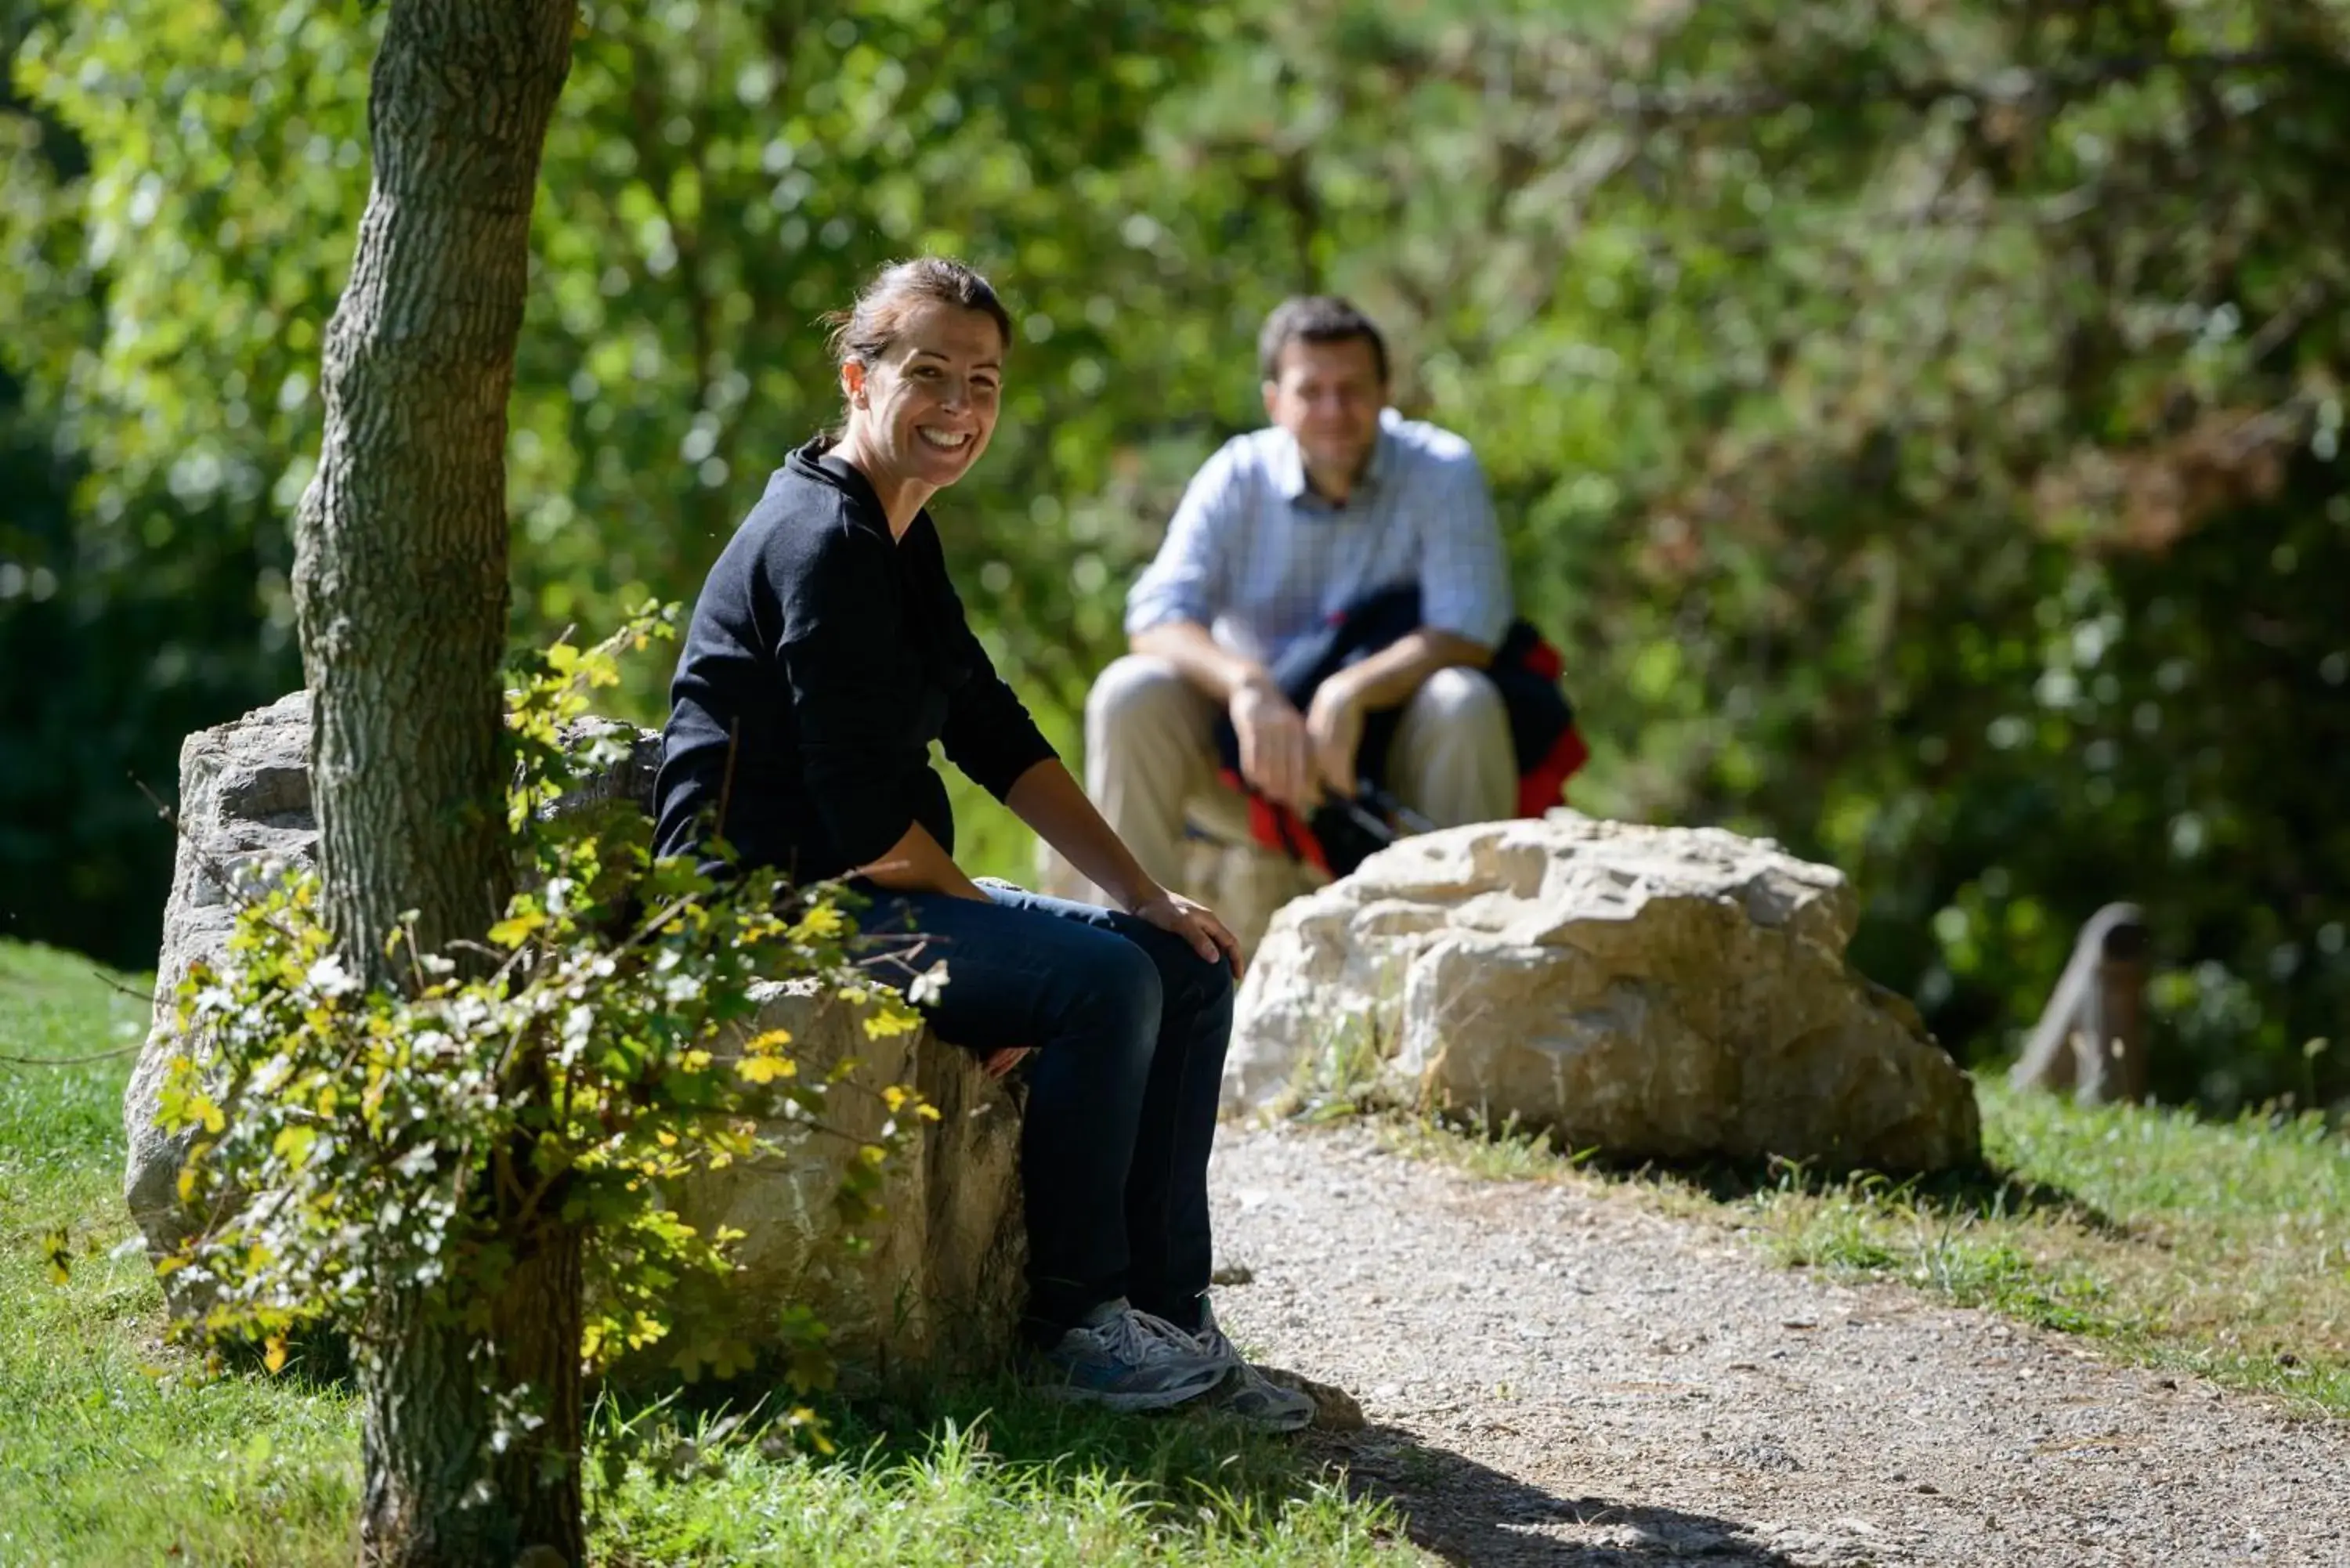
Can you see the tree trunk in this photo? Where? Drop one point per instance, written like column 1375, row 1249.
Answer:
column 399, row 572
column 472, row 1445
column 399, row 583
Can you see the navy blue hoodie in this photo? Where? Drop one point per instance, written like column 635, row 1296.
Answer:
column 822, row 660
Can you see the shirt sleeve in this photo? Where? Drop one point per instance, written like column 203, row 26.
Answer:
column 1464, row 584
column 1187, row 580
column 840, row 623
column 989, row 733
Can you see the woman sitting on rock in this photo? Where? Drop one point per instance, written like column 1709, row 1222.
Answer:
column 826, row 651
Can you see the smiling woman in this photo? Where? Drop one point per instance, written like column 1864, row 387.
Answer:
column 826, row 652
column 921, row 366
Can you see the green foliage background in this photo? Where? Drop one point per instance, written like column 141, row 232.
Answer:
column 1918, row 418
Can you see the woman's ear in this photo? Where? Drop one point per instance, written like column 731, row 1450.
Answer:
column 852, row 382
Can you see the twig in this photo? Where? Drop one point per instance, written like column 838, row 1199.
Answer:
column 72, row 1061
column 163, row 809
column 111, row 983
column 211, row 866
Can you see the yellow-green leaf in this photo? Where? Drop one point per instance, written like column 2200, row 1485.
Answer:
column 57, row 1250
column 515, row 930
column 821, row 924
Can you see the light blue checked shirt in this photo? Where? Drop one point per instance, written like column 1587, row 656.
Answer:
column 1260, row 560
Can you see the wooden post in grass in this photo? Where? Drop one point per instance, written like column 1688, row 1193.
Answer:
column 2092, row 1037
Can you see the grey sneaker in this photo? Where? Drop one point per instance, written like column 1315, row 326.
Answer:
column 1245, row 1392
column 1122, row 1359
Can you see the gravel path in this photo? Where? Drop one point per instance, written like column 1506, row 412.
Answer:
column 1556, row 1373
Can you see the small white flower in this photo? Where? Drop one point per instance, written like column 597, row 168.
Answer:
column 330, row 978
column 928, row 984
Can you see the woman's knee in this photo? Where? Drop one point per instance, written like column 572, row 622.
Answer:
column 1207, row 982
column 1122, row 993
column 1190, row 984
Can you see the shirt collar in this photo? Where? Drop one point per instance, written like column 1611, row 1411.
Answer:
column 1289, row 467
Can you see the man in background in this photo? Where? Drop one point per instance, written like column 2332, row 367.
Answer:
column 1280, row 533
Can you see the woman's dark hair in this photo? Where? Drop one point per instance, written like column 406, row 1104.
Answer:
column 866, row 329
column 1315, row 319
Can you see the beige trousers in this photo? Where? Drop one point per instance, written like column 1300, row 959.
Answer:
column 1150, row 763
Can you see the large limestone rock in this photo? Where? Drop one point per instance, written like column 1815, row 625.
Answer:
column 243, row 808
column 1650, row 991
column 943, row 1275
column 941, row 1281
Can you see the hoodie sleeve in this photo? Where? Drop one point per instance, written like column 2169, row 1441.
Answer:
column 989, row 732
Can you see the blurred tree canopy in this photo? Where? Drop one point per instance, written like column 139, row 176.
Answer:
column 1919, row 418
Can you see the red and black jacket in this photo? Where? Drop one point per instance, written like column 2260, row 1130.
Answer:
column 1525, row 669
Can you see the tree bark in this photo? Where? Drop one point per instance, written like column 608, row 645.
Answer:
column 399, row 574
column 452, row 1477
column 400, row 583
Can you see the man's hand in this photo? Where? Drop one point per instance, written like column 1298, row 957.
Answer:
column 1334, row 725
column 1276, row 753
column 1194, row 922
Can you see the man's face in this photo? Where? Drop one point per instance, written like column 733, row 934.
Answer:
column 1328, row 396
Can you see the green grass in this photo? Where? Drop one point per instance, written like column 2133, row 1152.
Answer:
column 973, row 1478
column 2220, row 1248
column 1506, row 1153
column 112, row 1453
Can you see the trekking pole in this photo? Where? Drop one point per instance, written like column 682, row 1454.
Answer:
column 1394, row 810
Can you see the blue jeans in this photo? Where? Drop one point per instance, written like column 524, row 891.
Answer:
column 1130, row 1026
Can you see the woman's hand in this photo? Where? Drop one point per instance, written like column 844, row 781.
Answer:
column 1194, row 922
column 1048, row 800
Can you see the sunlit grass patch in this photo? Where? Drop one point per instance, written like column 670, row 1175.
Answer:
column 1507, row 1152
column 1020, row 1480
column 2219, row 1247
column 108, row 1452
column 111, row 1451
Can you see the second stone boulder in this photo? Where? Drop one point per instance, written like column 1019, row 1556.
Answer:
column 1647, row 992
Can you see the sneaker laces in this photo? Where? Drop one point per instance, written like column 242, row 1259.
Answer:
column 1152, row 1324
column 1136, row 1338
column 1245, row 1381
column 1209, row 1341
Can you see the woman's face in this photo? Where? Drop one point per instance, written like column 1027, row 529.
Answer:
column 924, row 410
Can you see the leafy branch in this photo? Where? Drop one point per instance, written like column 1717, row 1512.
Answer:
column 350, row 1142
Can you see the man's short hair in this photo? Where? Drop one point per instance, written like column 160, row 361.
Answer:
column 1315, row 319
